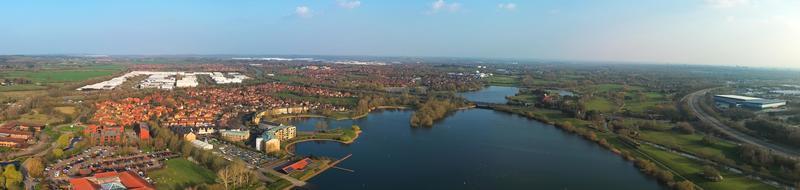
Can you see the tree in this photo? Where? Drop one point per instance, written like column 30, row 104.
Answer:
column 711, row 173
column 235, row 176
column 34, row 166
column 13, row 177
column 356, row 128
column 684, row 185
column 710, row 140
column 685, row 128
column 58, row 153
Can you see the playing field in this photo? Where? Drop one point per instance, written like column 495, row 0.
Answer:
column 55, row 76
column 181, row 173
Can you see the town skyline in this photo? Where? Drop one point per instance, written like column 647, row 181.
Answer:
column 753, row 33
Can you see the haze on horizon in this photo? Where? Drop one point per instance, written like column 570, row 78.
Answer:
column 757, row 33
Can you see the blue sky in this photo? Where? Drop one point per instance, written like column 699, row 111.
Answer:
column 726, row 32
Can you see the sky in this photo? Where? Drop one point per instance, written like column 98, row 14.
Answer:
column 759, row 33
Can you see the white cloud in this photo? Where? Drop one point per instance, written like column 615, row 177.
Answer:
column 303, row 12
column 727, row 3
column 440, row 5
column 349, row 4
column 507, row 6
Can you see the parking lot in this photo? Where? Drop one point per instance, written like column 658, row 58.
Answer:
column 229, row 151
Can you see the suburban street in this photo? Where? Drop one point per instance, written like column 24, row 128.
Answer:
column 694, row 99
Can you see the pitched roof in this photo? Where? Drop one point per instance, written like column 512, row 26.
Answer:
column 83, row 184
column 133, row 181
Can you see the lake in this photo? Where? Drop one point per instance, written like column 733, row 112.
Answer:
column 470, row 149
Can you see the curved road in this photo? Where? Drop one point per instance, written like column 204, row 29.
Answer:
column 694, row 99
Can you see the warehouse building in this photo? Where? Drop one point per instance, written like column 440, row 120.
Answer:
column 748, row 102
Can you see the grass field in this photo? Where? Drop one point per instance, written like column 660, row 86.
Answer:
column 69, row 110
column 693, row 170
column 603, row 88
column 39, row 118
column 692, row 143
column 51, row 76
column 503, row 80
column 22, row 87
column 180, row 173
column 601, row 104
column 652, row 99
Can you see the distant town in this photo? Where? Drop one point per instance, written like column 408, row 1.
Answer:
column 106, row 122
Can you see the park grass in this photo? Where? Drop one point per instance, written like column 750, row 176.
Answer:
column 69, row 110
column 180, row 173
column 692, row 169
column 604, row 88
column 692, row 143
column 652, row 99
column 39, row 118
column 54, row 76
column 601, row 104
column 22, row 87
column 503, row 80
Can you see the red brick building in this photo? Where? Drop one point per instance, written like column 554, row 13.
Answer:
column 143, row 130
column 105, row 134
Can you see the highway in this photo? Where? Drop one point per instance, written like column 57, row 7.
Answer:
column 694, row 99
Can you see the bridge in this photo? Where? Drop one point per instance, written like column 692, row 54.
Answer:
column 485, row 105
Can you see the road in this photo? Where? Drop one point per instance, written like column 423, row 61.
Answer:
column 694, row 99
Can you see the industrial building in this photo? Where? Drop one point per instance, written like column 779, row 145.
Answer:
column 167, row 80
column 748, row 102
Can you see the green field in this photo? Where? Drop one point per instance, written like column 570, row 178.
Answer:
column 55, row 76
column 180, row 173
column 652, row 100
column 22, row 87
column 39, row 118
column 692, row 143
column 693, row 170
column 503, row 80
column 601, row 104
column 604, row 88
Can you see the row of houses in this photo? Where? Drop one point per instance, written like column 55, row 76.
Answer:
column 17, row 134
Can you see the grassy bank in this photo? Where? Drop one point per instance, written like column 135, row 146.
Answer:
column 180, row 173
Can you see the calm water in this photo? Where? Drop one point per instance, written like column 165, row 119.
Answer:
column 471, row 149
column 491, row 94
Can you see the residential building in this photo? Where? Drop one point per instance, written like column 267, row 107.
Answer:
column 274, row 135
column 235, row 135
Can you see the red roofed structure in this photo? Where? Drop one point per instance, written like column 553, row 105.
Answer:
column 111, row 180
column 297, row 166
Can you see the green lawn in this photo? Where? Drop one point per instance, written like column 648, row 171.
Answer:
column 503, row 80
column 693, row 170
column 180, row 173
column 51, row 76
column 652, row 99
column 692, row 143
column 603, row 88
column 22, row 87
column 601, row 104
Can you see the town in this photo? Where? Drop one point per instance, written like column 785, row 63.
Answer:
column 396, row 95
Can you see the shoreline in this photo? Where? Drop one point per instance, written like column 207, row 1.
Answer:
column 337, row 118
